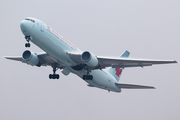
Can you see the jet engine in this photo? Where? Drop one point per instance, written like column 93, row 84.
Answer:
column 89, row 59
column 30, row 57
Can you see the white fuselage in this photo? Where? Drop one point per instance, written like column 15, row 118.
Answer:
column 57, row 47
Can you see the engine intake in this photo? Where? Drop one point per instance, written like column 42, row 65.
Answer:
column 30, row 57
column 89, row 59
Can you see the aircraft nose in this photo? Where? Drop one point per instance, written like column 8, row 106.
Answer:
column 23, row 25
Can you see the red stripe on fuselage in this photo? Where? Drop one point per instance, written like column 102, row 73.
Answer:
column 51, row 30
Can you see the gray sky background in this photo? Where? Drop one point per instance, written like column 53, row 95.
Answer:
column 147, row 28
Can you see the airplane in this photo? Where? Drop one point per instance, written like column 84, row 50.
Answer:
column 59, row 53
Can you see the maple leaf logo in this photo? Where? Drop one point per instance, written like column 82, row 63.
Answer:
column 118, row 71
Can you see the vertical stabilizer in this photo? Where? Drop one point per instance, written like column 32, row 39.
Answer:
column 116, row 72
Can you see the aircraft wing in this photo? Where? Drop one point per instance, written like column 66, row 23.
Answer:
column 44, row 59
column 130, row 86
column 121, row 62
column 128, row 62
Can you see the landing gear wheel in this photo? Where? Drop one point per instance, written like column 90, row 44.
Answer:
column 53, row 76
column 50, row 76
column 27, row 45
column 87, row 77
column 91, row 77
column 57, row 76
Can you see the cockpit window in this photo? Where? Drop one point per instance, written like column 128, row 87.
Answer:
column 30, row 20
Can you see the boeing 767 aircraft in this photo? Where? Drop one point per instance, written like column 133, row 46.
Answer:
column 59, row 53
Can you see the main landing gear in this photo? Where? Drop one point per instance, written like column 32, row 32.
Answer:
column 54, row 75
column 28, row 38
column 88, row 76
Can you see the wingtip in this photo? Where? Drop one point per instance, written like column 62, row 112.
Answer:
column 150, row 87
column 175, row 61
column 5, row 57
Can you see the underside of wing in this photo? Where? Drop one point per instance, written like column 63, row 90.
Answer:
column 129, row 62
column 131, row 86
column 45, row 59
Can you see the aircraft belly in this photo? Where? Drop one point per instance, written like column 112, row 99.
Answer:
column 100, row 80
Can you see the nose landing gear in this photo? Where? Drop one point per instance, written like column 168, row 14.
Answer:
column 27, row 45
column 28, row 38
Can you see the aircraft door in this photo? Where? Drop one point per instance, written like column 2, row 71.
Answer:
column 42, row 27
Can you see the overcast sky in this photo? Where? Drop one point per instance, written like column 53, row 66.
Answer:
column 147, row 28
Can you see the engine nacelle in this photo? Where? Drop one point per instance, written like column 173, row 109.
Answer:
column 89, row 59
column 30, row 57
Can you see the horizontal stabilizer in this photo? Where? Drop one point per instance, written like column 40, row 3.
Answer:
column 130, row 86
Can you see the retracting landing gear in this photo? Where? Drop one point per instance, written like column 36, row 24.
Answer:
column 54, row 75
column 88, row 76
column 28, row 38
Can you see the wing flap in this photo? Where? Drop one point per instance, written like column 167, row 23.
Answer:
column 131, row 86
